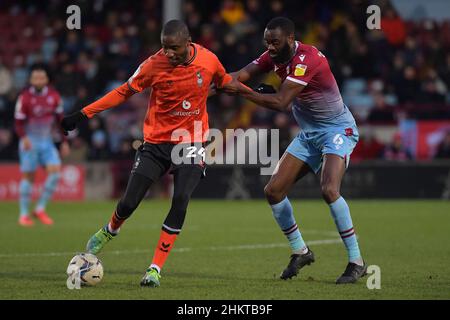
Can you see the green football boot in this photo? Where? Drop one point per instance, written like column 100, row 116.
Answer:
column 151, row 278
column 98, row 240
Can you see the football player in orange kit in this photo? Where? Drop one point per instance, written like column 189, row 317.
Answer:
column 180, row 75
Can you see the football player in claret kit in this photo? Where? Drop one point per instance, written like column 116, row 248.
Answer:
column 179, row 75
column 327, row 137
column 38, row 109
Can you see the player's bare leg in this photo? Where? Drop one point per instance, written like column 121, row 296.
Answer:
column 53, row 173
column 333, row 170
column 288, row 171
column 26, row 185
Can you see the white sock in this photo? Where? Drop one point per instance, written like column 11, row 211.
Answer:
column 111, row 230
column 302, row 250
column 359, row 261
column 156, row 267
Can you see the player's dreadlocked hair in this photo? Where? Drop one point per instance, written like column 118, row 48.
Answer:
column 175, row 27
column 285, row 24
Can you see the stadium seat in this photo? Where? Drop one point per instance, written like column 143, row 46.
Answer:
column 355, row 85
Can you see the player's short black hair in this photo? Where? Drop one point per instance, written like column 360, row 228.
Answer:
column 174, row 27
column 39, row 66
column 286, row 25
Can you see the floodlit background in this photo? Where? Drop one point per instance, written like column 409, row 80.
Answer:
column 395, row 80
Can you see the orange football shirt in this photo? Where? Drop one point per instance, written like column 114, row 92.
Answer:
column 178, row 96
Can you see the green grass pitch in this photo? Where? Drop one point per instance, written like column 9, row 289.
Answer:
column 231, row 250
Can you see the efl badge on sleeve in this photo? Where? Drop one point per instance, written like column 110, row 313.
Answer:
column 300, row 70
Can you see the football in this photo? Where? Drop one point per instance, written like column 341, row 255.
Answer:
column 87, row 267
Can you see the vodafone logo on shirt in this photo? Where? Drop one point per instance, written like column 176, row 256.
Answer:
column 186, row 105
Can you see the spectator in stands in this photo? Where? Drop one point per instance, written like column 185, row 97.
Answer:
column 434, row 89
column 78, row 150
column 410, row 57
column 381, row 112
column 278, row 8
column 444, row 72
column 408, row 86
column 7, row 145
column 443, row 150
column 396, row 151
column 256, row 10
column 5, row 80
column 393, row 27
column 232, row 12
column 282, row 123
column 362, row 62
column 98, row 148
column 82, row 99
column 368, row 147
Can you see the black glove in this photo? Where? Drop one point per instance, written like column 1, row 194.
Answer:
column 70, row 122
column 265, row 88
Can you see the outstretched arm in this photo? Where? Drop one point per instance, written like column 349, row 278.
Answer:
column 110, row 100
column 247, row 73
column 140, row 80
column 279, row 101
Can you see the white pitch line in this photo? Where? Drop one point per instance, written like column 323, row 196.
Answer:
column 213, row 248
column 271, row 245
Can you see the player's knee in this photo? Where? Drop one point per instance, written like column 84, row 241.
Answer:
column 329, row 192
column 273, row 194
column 29, row 176
column 177, row 213
column 180, row 201
column 126, row 207
column 54, row 169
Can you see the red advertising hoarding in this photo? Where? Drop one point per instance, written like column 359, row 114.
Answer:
column 430, row 135
column 422, row 137
column 70, row 185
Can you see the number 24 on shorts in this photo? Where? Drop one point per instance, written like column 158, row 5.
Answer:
column 193, row 151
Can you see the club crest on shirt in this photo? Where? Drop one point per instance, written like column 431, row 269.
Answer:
column 300, row 70
column 50, row 100
column 38, row 110
column 199, row 79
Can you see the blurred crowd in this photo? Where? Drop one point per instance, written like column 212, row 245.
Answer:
column 401, row 71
